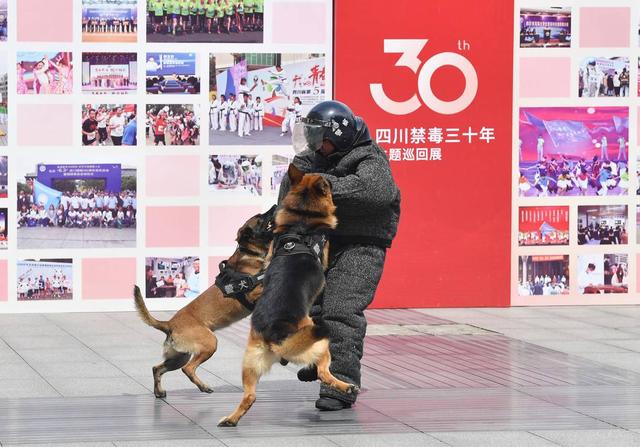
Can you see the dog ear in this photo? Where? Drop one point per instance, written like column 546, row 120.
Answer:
column 295, row 174
column 322, row 187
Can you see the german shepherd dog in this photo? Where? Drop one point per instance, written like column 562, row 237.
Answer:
column 190, row 339
column 281, row 329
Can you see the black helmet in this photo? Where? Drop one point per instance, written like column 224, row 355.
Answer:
column 333, row 121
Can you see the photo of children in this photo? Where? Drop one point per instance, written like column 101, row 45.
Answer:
column 88, row 204
column 4, row 243
column 543, row 275
column 280, row 164
column 45, row 279
column 114, row 73
column 573, row 151
column 603, row 273
column 109, row 125
column 172, row 73
column 602, row 225
column 44, row 73
column 256, row 98
column 109, row 21
column 172, row 277
column 208, row 21
column 543, row 225
column 235, row 175
column 172, row 125
column 4, row 176
column 603, row 76
column 545, row 27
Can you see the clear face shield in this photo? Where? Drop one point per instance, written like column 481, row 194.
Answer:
column 307, row 134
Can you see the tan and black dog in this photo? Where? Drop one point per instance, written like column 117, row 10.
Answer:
column 190, row 339
column 294, row 277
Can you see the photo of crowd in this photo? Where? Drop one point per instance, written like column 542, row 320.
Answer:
column 172, row 277
column 4, row 242
column 602, row 225
column 45, row 279
column 114, row 73
column 81, row 205
column 543, row 225
column 208, row 21
column 44, row 73
column 256, row 98
column 109, row 125
column 109, row 21
column 603, row 273
column 543, row 275
column 573, row 151
column 3, row 20
column 280, row 164
column 172, row 125
column 172, row 73
column 4, row 176
column 235, row 175
column 603, row 76
column 545, row 27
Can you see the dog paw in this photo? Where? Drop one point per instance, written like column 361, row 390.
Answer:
column 160, row 394
column 206, row 389
column 353, row 389
column 226, row 422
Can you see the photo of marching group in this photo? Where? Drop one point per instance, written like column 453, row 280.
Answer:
column 545, row 27
column 4, row 242
column 109, row 125
column 44, row 73
column 602, row 225
column 280, row 164
column 224, row 21
column 172, row 73
column 235, row 175
column 603, row 273
column 172, row 125
column 172, row 277
column 4, row 176
column 109, row 21
column 603, row 76
column 45, row 279
column 256, row 98
column 573, row 151
column 90, row 205
column 115, row 73
column 543, row 275
column 543, row 225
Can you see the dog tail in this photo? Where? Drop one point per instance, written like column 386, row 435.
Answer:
column 145, row 315
column 301, row 341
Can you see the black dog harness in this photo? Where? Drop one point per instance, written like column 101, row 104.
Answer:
column 288, row 244
column 237, row 285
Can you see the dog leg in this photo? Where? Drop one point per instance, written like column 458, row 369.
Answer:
column 177, row 360
column 207, row 344
column 329, row 379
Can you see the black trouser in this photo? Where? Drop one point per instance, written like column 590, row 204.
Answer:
column 352, row 279
column 117, row 141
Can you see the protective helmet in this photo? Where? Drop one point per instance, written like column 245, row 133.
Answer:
column 329, row 120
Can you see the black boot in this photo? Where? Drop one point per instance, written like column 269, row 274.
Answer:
column 308, row 374
column 331, row 404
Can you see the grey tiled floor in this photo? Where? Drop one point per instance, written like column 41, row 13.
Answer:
column 431, row 377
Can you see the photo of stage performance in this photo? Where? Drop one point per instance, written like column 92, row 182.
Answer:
column 603, row 76
column 573, row 151
column 543, row 225
column 115, row 73
column 545, row 27
column 543, row 275
column 44, row 73
column 109, row 21
column 603, row 273
column 602, row 225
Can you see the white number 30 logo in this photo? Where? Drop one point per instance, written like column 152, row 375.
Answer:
column 409, row 50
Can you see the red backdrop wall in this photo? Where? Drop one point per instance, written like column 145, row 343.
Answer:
column 453, row 245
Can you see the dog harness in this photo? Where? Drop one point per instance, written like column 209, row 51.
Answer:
column 289, row 244
column 237, row 285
